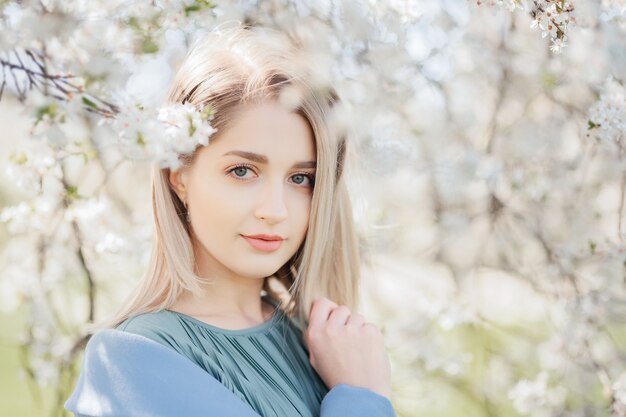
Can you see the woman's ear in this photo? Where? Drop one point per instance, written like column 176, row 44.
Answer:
column 178, row 182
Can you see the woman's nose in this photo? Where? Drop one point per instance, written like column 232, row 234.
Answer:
column 271, row 206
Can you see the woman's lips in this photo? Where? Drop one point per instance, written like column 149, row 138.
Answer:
column 263, row 245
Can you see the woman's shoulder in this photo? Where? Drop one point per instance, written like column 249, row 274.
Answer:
column 159, row 326
column 142, row 320
column 126, row 374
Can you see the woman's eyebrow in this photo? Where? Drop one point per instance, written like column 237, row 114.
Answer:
column 262, row 159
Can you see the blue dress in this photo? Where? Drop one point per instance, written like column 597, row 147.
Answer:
column 169, row 364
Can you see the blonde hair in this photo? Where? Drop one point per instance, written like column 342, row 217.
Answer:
column 224, row 70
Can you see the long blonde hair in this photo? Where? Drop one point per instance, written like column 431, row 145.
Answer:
column 223, row 70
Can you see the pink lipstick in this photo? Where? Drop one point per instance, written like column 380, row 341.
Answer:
column 265, row 243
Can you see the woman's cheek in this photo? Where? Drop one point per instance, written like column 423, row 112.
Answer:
column 303, row 211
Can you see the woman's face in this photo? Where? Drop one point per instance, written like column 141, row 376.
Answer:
column 255, row 178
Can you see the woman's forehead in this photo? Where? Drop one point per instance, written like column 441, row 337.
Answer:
column 265, row 133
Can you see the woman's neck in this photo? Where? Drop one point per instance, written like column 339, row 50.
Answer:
column 224, row 313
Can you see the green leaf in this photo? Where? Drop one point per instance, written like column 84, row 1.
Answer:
column 199, row 5
column 50, row 110
column 19, row 158
column 591, row 125
column 89, row 103
column 207, row 112
column 148, row 46
column 192, row 128
column 72, row 192
column 133, row 22
column 191, row 9
column 140, row 139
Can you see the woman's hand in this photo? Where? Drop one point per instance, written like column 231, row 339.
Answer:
column 344, row 349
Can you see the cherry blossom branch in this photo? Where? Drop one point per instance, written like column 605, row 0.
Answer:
column 63, row 86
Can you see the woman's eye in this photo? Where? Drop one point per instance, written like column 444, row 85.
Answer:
column 240, row 171
column 302, row 178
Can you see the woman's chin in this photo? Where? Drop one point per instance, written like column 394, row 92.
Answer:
column 257, row 271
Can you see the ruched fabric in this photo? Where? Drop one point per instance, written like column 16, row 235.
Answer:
column 266, row 366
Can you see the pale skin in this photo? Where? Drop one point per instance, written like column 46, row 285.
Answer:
column 267, row 190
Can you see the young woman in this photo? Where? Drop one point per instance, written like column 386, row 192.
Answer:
column 254, row 238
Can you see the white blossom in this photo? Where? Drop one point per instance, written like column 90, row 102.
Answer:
column 613, row 9
column 98, row 231
column 552, row 17
column 429, row 84
column 607, row 117
column 557, row 45
column 26, row 217
column 162, row 134
column 530, row 396
column 619, row 394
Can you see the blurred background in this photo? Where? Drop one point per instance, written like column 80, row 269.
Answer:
column 487, row 174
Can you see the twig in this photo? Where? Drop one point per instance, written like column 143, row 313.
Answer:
column 58, row 86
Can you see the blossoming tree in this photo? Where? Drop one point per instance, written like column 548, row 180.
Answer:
column 489, row 181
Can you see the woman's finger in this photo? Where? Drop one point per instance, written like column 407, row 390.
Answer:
column 320, row 311
column 339, row 316
column 356, row 320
